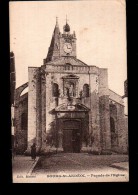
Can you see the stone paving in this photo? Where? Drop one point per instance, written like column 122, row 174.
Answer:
column 81, row 167
column 57, row 168
column 22, row 166
column 79, row 161
column 121, row 165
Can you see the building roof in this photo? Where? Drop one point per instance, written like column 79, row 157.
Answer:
column 66, row 60
column 115, row 97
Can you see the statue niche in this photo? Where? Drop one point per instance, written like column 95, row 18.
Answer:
column 70, row 86
column 70, row 89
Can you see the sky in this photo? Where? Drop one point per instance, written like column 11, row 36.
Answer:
column 100, row 28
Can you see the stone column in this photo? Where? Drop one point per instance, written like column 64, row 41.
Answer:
column 95, row 139
column 59, row 134
column 122, row 131
column 105, row 122
column 43, row 111
column 94, row 121
column 38, row 112
column 32, row 108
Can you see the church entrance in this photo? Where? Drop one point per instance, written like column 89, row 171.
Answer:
column 71, row 136
column 72, row 126
column 71, row 140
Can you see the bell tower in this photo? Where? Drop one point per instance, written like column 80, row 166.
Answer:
column 62, row 45
column 67, row 42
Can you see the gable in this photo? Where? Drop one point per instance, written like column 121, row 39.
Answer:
column 74, row 108
column 67, row 60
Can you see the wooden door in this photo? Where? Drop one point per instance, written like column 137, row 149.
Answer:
column 76, row 140
column 67, row 140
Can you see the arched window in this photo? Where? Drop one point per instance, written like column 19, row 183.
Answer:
column 112, row 125
column 55, row 90
column 85, row 90
column 68, row 66
column 24, row 121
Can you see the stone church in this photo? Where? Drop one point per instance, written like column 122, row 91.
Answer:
column 68, row 106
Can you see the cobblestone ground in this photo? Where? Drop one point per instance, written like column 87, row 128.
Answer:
column 65, row 162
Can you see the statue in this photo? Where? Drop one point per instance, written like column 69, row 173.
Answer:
column 71, row 90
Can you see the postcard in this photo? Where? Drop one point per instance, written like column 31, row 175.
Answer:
column 69, row 91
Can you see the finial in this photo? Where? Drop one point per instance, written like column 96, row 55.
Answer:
column 66, row 27
column 56, row 21
column 66, row 19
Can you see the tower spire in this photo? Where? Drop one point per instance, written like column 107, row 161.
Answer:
column 53, row 51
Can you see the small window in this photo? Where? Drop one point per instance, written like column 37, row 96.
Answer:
column 68, row 66
column 55, row 90
column 112, row 125
column 85, row 90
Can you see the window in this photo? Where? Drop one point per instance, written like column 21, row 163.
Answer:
column 24, row 121
column 68, row 66
column 85, row 90
column 113, row 111
column 55, row 90
column 112, row 125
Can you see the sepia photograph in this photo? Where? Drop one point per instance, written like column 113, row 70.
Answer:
column 68, row 81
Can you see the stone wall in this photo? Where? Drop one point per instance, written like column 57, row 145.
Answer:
column 122, row 130
column 103, row 82
column 43, row 109
column 104, row 110
column 42, row 104
column 34, row 108
column 50, row 101
column 94, row 120
column 21, row 107
column 120, row 122
column 113, row 126
column 126, row 134
column 105, row 122
column 91, row 102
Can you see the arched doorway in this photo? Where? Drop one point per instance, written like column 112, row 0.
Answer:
column 71, row 126
column 71, row 136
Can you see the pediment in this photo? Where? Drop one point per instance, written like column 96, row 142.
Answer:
column 67, row 60
column 74, row 108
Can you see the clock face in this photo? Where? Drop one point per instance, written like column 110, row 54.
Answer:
column 67, row 48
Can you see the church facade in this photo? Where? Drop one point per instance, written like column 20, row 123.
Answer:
column 69, row 106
